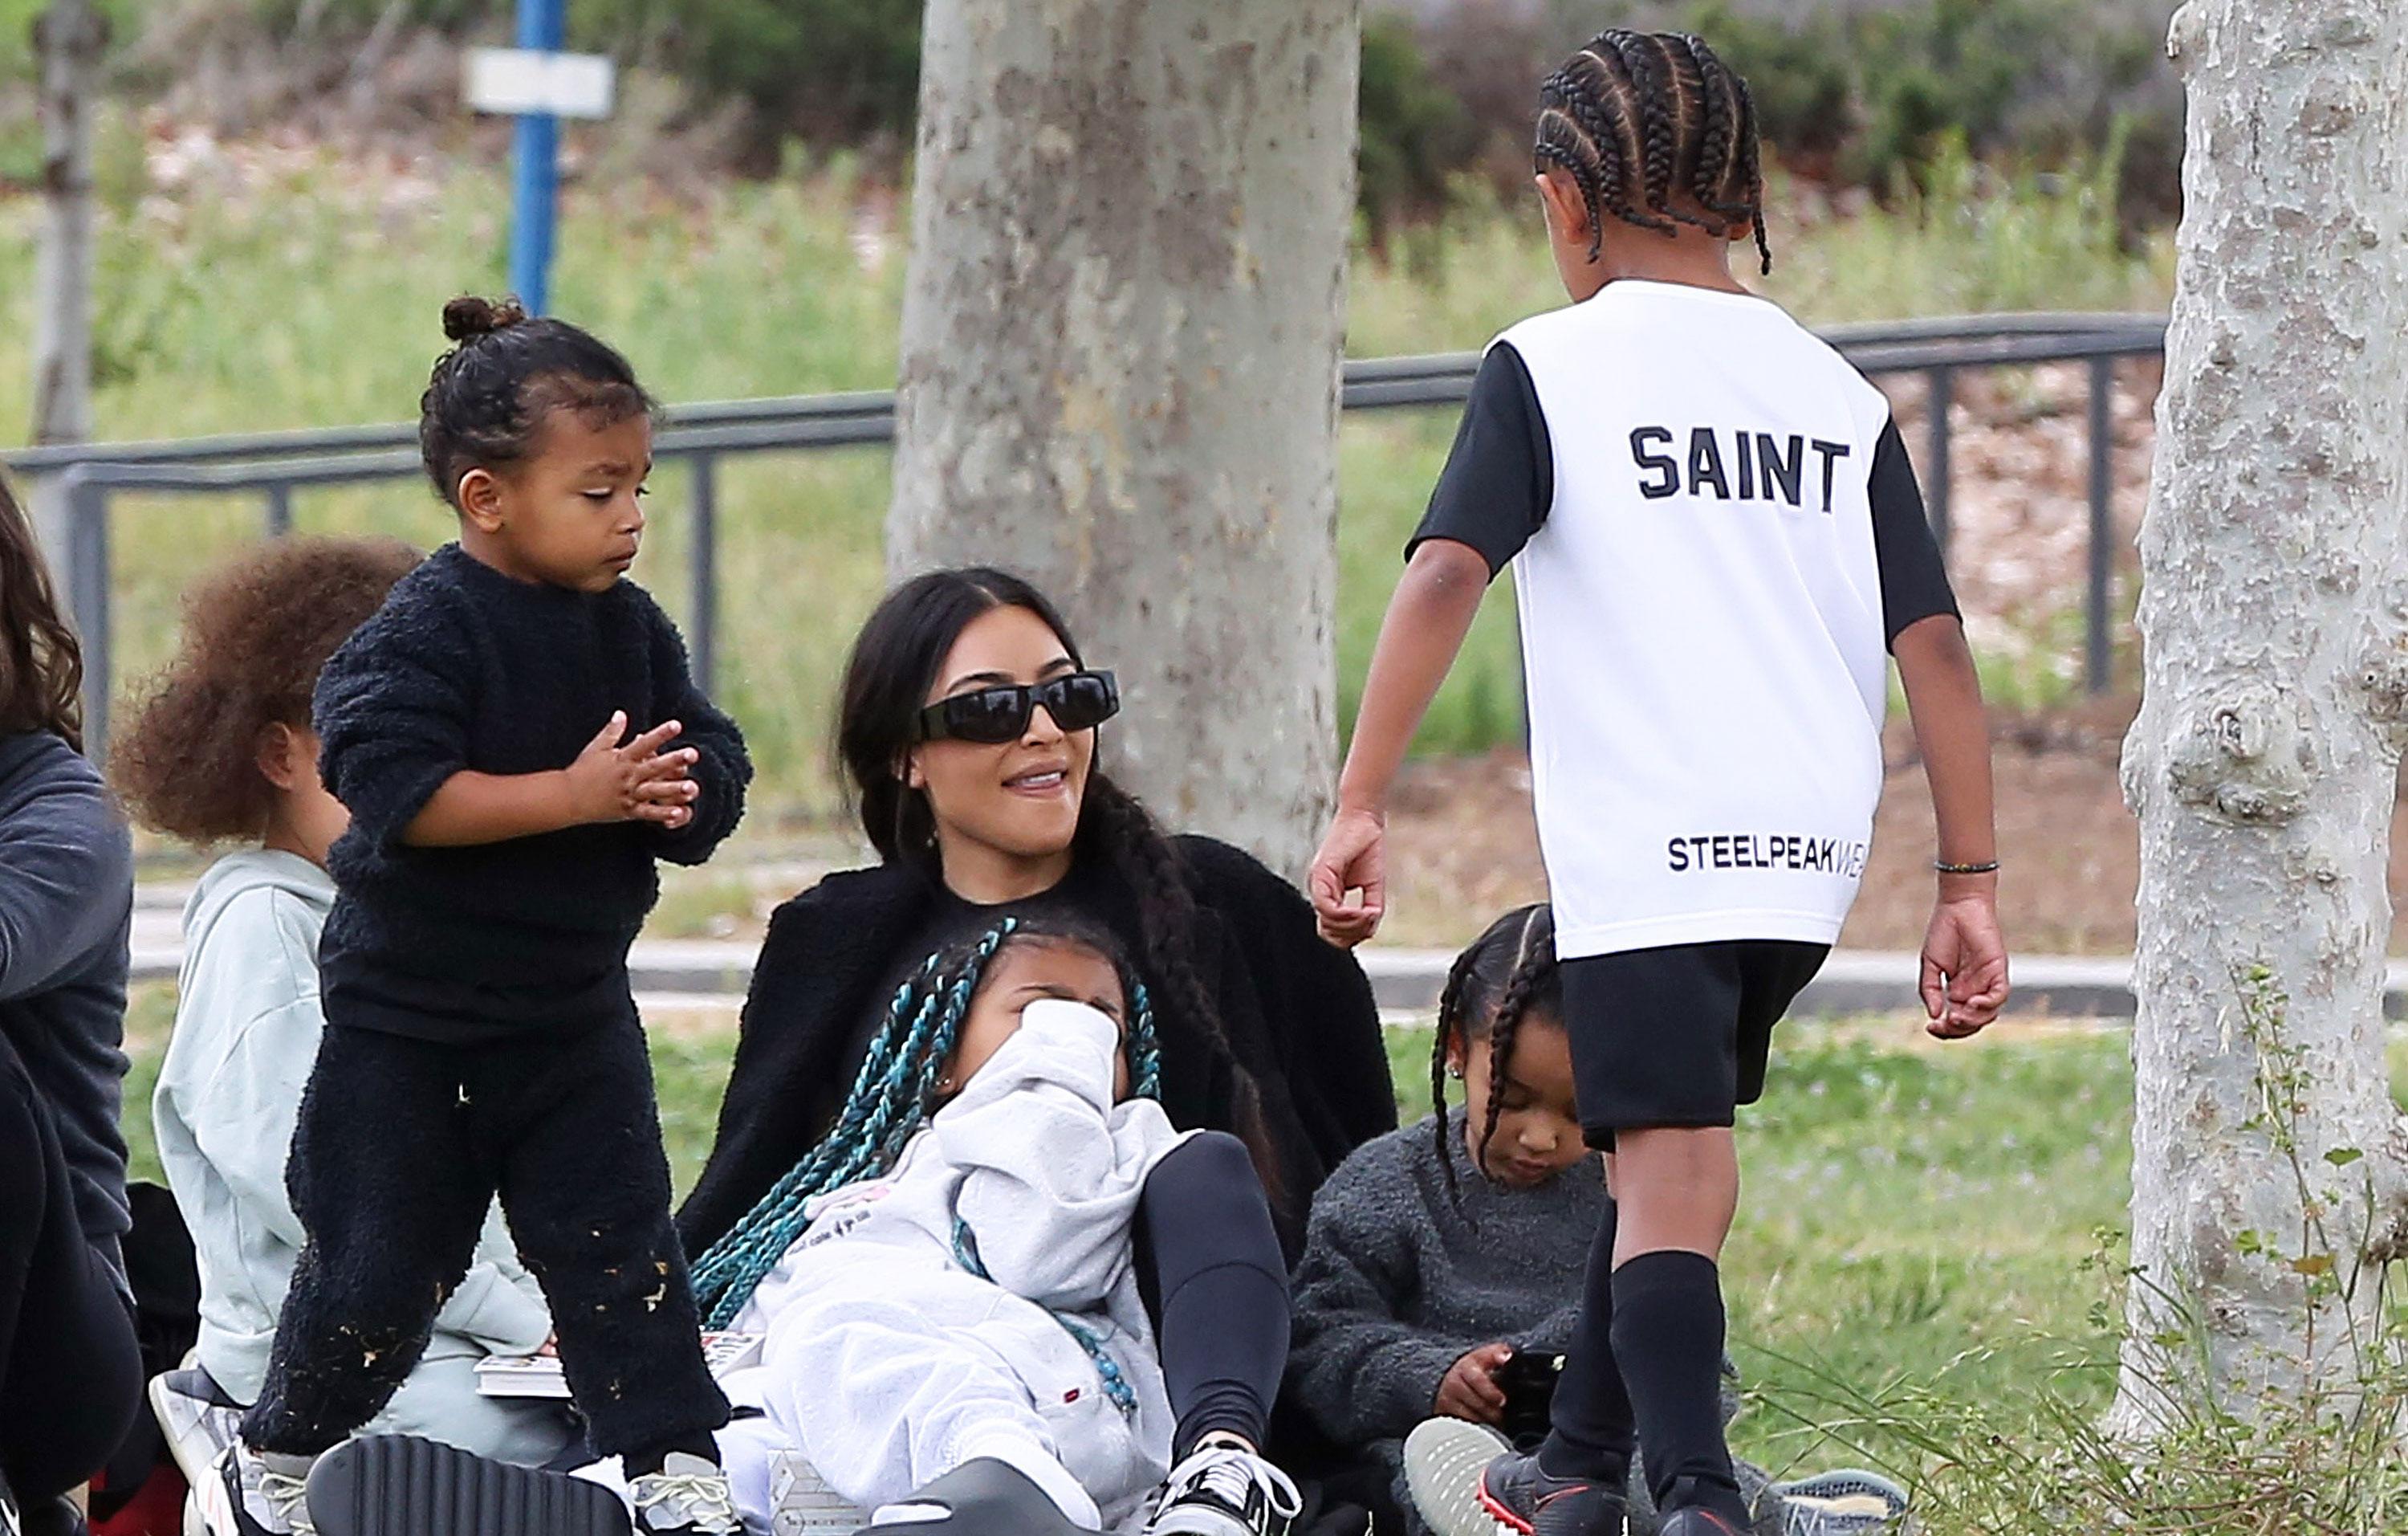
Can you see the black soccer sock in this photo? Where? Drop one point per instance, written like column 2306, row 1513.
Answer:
column 644, row 1463
column 1590, row 1433
column 1668, row 1339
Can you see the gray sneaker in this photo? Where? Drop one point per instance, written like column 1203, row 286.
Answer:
column 268, row 1499
column 199, row 1421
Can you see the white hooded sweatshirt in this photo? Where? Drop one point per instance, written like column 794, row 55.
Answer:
column 887, row 1363
column 246, row 1036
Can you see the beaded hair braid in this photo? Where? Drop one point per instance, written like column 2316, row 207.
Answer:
column 1508, row 973
column 1657, row 131
column 892, row 1097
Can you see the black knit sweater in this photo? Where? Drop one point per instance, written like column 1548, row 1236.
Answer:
column 465, row 668
column 1304, row 1037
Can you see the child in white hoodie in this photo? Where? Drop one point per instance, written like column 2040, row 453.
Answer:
column 219, row 750
column 938, row 1288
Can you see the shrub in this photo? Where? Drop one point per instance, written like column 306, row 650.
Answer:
column 1414, row 131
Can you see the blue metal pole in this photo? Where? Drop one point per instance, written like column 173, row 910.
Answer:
column 541, row 27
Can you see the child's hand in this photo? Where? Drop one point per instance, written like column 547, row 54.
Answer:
column 1353, row 857
column 634, row 783
column 1964, row 963
column 1470, row 1390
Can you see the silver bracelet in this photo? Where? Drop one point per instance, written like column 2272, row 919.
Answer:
column 1989, row 868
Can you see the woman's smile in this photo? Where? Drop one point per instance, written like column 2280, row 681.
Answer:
column 1041, row 781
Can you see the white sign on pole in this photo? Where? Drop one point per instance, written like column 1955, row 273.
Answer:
column 519, row 81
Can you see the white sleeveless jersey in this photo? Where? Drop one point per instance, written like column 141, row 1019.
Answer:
column 1702, row 604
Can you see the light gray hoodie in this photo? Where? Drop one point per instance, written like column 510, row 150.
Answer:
column 246, row 1028
column 887, row 1363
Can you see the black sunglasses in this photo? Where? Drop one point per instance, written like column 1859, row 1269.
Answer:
column 1077, row 701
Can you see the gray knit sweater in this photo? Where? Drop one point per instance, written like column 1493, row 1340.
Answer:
column 1399, row 1280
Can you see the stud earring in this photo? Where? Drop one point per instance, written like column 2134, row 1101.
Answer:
column 1455, row 1073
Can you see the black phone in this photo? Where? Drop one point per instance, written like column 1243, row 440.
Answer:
column 1528, row 1379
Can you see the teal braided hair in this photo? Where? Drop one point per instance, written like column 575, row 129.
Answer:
column 895, row 1093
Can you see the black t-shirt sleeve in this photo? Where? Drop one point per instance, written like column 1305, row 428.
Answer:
column 1500, row 478
column 1913, row 580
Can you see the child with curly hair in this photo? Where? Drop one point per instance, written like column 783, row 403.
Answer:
column 220, row 752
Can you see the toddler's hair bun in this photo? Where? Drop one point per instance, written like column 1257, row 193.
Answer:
column 468, row 317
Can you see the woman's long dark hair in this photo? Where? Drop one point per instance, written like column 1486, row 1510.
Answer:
column 41, row 664
column 893, row 666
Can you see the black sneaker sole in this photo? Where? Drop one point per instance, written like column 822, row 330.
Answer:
column 397, row 1486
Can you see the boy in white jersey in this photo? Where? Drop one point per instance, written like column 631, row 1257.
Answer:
column 1715, row 535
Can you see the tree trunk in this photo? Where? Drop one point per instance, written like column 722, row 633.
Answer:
column 1122, row 333
column 2268, row 1161
column 68, row 38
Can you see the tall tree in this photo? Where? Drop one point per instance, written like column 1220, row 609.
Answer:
column 68, row 38
column 2268, row 1170
column 1122, row 333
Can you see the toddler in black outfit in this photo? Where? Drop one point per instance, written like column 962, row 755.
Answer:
column 517, row 739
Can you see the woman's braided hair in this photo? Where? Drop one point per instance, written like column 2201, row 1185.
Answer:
column 1507, row 974
column 897, row 1091
column 1657, row 131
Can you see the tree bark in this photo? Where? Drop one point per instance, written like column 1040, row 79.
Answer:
column 1121, row 336
column 2263, row 764
column 68, row 39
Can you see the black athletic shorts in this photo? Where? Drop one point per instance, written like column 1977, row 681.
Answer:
column 1677, row 1036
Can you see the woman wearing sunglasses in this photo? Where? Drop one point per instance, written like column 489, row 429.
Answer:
column 968, row 730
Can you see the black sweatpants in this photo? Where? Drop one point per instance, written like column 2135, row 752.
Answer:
column 70, row 1366
column 1214, row 1283
column 401, row 1146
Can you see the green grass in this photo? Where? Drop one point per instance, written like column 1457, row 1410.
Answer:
column 1916, row 1219
column 1904, row 1204
column 309, row 298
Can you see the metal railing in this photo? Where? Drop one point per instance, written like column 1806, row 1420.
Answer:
column 278, row 464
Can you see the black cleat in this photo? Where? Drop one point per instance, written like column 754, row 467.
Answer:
column 1467, row 1482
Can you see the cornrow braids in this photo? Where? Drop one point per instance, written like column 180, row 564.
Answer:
column 1534, row 968
column 1657, row 131
column 1752, row 169
column 1710, row 170
column 1650, row 86
column 1612, row 140
column 1507, row 974
column 893, row 1096
column 1449, row 1028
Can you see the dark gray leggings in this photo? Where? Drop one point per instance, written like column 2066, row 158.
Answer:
column 1215, row 1285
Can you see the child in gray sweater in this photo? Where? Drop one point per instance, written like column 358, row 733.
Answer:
column 1438, row 1253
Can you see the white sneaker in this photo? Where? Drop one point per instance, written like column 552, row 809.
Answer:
column 1221, row 1490
column 688, row 1494
column 267, row 1501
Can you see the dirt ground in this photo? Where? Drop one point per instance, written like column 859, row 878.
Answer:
column 1463, row 847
